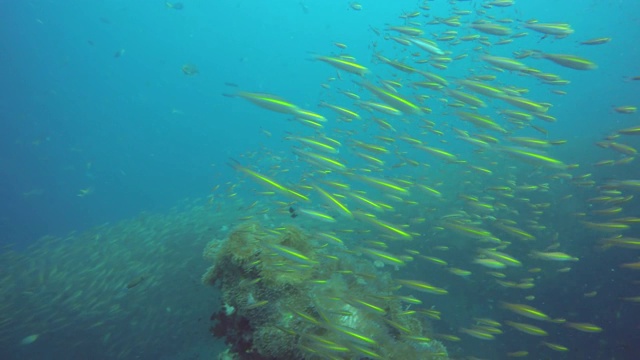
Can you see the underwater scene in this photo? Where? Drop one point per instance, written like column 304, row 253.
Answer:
column 313, row 179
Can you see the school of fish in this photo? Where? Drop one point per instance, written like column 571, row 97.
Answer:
column 434, row 159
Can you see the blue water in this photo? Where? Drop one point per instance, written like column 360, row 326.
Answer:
column 94, row 100
column 76, row 117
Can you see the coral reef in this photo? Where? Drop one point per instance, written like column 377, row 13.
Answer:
column 288, row 295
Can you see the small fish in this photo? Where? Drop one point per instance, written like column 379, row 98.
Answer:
column 136, row 281
column 257, row 304
column 553, row 256
column 267, row 101
column 596, row 41
column 504, row 63
column 29, row 339
column 85, row 192
column 527, row 329
column 585, row 327
column 407, row 30
column 478, row 333
column 291, row 254
column 625, row 109
column 527, row 311
column 312, row 214
column 559, row 30
column 344, row 64
column 630, row 131
column 556, row 347
column 501, row 3
column 422, row 286
column 491, row 29
column 383, row 256
column 570, row 61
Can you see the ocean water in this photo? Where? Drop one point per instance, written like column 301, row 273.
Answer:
column 128, row 147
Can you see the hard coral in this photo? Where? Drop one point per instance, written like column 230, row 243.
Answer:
column 295, row 298
column 243, row 243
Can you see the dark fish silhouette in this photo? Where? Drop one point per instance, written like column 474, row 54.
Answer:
column 136, row 281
